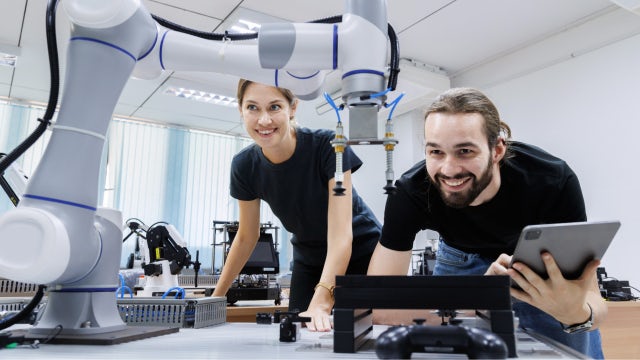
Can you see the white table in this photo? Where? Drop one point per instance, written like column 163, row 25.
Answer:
column 240, row 341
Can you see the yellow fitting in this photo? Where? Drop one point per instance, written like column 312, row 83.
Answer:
column 389, row 147
column 339, row 148
column 388, row 135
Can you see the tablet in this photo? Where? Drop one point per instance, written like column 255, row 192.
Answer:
column 572, row 245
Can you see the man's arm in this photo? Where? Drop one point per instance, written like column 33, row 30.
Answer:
column 568, row 301
column 391, row 262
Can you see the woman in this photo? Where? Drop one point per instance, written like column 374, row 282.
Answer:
column 292, row 169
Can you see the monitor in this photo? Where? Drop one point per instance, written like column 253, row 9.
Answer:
column 263, row 259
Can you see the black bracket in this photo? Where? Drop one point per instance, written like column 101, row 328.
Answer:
column 357, row 295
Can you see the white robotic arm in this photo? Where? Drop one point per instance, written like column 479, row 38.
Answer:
column 57, row 235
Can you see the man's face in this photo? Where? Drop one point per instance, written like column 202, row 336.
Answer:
column 459, row 161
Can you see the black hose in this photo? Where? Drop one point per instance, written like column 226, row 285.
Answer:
column 203, row 34
column 54, row 70
column 394, row 63
column 26, row 311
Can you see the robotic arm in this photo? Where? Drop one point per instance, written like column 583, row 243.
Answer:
column 57, row 235
column 164, row 255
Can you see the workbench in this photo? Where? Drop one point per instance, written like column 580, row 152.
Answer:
column 243, row 341
column 245, row 311
column 621, row 330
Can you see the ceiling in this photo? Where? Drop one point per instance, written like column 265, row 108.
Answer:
column 443, row 43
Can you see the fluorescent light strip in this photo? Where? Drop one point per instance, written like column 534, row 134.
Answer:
column 202, row 96
column 8, row 59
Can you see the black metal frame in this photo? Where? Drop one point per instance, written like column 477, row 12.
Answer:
column 357, row 295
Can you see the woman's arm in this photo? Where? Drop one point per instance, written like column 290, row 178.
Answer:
column 339, row 241
column 243, row 244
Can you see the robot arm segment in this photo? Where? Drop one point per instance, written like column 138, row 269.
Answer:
column 111, row 39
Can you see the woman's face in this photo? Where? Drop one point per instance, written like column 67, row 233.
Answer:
column 266, row 114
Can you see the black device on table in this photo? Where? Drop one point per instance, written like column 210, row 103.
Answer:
column 289, row 331
column 399, row 342
column 257, row 278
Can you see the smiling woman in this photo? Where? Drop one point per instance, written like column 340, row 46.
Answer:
column 292, row 169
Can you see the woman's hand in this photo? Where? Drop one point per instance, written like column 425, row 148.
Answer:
column 320, row 319
column 320, row 310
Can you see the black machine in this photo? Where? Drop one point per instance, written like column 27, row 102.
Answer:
column 425, row 262
column 357, row 295
column 613, row 289
column 289, row 331
column 256, row 280
column 399, row 342
column 162, row 245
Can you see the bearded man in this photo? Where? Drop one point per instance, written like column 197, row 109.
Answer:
column 478, row 189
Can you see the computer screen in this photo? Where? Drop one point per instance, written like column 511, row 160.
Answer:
column 263, row 259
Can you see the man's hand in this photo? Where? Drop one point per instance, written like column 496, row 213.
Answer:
column 563, row 299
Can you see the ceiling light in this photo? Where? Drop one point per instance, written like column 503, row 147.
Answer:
column 8, row 59
column 202, row 96
column 245, row 27
column 631, row 5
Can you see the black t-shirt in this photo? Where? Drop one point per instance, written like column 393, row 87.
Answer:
column 536, row 188
column 297, row 192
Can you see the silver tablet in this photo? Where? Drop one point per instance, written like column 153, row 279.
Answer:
column 572, row 245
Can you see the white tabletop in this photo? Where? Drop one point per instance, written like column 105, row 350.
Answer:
column 238, row 341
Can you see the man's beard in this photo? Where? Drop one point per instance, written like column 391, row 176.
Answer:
column 461, row 199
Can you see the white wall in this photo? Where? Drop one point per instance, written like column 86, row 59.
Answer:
column 585, row 110
column 370, row 179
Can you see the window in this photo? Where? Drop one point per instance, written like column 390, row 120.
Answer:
column 152, row 173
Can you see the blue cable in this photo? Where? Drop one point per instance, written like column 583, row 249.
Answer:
column 179, row 292
column 381, row 93
column 394, row 103
column 123, row 288
column 333, row 105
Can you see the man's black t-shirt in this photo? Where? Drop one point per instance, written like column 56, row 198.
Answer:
column 297, row 191
column 536, row 188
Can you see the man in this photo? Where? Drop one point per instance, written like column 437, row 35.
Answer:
column 478, row 191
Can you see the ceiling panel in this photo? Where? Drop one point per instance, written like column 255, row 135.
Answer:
column 180, row 118
column 11, row 19
column 6, row 74
column 179, row 16
column 32, row 75
column 303, row 11
column 403, row 14
column 461, row 36
column 467, row 32
column 4, row 89
column 218, row 9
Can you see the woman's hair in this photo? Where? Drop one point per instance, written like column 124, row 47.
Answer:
column 469, row 100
